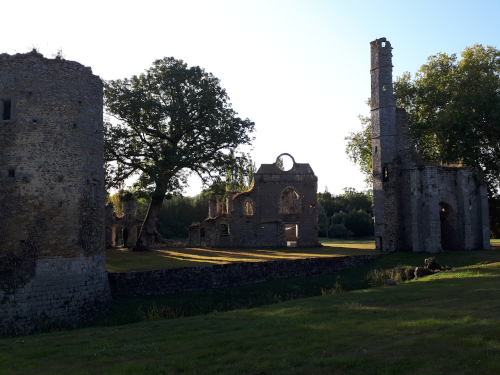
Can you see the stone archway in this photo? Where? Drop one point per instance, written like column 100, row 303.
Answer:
column 449, row 232
column 117, row 235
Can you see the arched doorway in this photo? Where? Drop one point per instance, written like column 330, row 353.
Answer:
column 449, row 234
column 291, row 234
column 117, row 235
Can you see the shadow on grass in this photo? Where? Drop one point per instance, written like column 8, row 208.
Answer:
column 445, row 324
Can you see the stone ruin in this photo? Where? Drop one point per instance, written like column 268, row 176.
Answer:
column 278, row 210
column 52, row 194
column 418, row 207
column 128, row 222
column 52, row 260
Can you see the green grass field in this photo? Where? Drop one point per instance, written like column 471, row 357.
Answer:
column 446, row 323
column 123, row 260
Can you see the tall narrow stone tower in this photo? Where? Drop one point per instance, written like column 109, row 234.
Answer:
column 384, row 142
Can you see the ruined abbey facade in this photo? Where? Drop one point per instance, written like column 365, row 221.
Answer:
column 279, row 210
column 418, row 207
column 52, row 260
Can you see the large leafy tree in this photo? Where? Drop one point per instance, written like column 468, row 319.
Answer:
column 172, row 121
column 453, row 107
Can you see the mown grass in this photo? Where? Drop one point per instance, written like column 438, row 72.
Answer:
column 132, row 310
column 446, row 323
column 123, row 260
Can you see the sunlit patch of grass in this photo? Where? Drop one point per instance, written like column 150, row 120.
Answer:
column 123, row 260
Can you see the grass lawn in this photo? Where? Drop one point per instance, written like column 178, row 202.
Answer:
column 123, row 260
column 444, row 324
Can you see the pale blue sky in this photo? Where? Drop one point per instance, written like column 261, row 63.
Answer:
column 299, row 69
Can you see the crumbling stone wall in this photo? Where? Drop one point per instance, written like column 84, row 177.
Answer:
column 128, row 221
column 51, row 192
column 258, row 217
column 417, row 207
column 142, row 283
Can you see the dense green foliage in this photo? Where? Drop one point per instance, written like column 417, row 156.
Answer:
column 178, row 213
column 453, row 108
column 173, row 120
column 359, row 147
column 357, row 221
column 345, row 214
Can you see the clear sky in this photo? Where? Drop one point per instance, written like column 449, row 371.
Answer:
column 299, row 69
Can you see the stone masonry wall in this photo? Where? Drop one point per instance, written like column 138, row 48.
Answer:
column 269, row 197
column 417, row 207
column 51, row 189
column 165, row 281
column 67, row 290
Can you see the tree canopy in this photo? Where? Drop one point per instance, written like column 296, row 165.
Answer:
column 172, row 121
column 453, row 108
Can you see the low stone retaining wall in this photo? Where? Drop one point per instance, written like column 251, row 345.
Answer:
column 130, row 284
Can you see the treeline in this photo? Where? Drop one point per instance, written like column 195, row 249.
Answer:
column 345, row 214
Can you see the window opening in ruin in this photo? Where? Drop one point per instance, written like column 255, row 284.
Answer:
column 12, row 173
column 249, row 208
column 222, row 209
column 289, row 202
column 291, row 234
column 383, row 44
column 34, row 120
column 125, row 236
column 449, row 232
column 6, row 109
column 383, row 88
column 224, row 229
column 385, row 177
column 376, row 149
column 285, row 162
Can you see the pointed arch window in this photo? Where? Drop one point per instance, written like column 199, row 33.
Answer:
column 290, row 202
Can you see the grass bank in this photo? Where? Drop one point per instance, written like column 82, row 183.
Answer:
column 443, row 324
column 133, row 310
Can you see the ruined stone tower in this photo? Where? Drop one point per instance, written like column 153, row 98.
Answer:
column 52, row 260
column 383, row 111
column 418, row 207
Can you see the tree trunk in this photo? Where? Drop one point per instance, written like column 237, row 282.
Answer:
column 147, row 236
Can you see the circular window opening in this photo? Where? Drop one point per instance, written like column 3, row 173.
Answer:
column 285, row 162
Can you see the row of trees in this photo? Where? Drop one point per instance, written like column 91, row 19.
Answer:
column 350, row 213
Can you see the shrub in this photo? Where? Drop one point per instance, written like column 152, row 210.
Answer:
column 339, row 230
column 399, row 273
column 357, row 221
